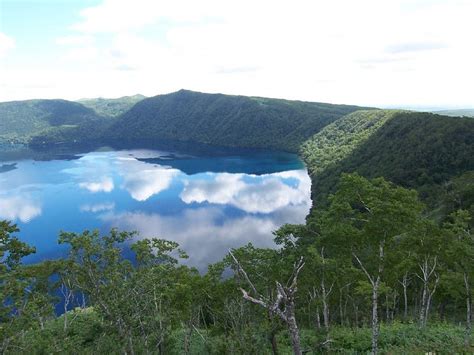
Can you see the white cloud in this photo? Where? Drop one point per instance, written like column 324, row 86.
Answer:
column 98, row 207
column 106, row 184
column 19, row 208
column 415, row 47
column 365, row 52
column 113, row 16
column 263, row 194
column 6, row 44
column 77, row 40
column 201, row 232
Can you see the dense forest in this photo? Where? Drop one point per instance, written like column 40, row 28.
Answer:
column 227, row 120
column 384, row 263
column 59, row 121
column 20, row 120
column 216, row 119
column 111, row 107
column 413, row 149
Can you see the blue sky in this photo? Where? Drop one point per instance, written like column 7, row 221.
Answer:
column 409, row 53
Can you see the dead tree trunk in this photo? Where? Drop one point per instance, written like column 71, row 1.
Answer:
column 283, row 305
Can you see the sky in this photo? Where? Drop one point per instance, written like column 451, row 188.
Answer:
column 385, row 53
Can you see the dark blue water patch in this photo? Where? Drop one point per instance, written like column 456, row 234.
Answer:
column 256, row 164
column 206, row 203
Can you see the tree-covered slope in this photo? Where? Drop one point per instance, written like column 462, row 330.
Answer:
column 413, row 149
column 226, row 120
column 111, row 107
column 20, row 120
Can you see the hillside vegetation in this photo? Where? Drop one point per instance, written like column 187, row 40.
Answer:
column 412, row 149
column 20, row 120
column 111, row 107
column 226, row 120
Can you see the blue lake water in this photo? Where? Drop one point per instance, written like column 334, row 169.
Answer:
column 206, row 203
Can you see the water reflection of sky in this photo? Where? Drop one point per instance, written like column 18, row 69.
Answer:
column 218, row 203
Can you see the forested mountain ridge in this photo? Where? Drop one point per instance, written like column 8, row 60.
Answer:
column 226, row 120
column 111, row 107
column 20, row 120
column 413, row 149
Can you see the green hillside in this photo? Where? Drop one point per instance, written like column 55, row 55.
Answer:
column 226, row 120
column 20, row 120
column 111, row 107
column 412, row 149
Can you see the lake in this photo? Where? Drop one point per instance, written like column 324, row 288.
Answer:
column 206, row 202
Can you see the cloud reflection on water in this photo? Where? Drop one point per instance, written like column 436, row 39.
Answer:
column 262, row 194
column 105, row 184
column 19, row 208
column 207, row 233
column 143, row 180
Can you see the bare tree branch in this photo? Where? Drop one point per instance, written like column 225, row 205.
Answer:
column 241, row 270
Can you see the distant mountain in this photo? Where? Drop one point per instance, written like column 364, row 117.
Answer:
column 20, row 120
column 413, row 149
column 112, row 107
column 458, row 113
column 226, row 120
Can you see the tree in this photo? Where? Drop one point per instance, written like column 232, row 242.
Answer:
column 137, row 302
column 12, row 250
column 461, row 254
column 283, row 305
column 365, row 218
column 12, row 288
column 423, row 248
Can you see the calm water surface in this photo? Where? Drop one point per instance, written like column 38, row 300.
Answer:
column 207, row 204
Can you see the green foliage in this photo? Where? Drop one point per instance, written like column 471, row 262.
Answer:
column 365, row 213
column 12, row 250
column 236, row 121
column 20, row 120
column 458, row 194
column 111, row 107
column 399, row 338
column 412, row 149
